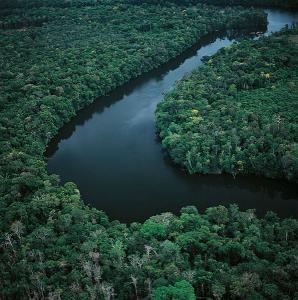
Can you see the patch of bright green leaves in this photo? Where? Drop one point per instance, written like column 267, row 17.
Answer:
column 238, row 112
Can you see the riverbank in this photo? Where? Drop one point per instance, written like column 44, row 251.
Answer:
column 113, row 144
column 237, row 113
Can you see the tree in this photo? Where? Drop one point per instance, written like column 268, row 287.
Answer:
column 181, row 290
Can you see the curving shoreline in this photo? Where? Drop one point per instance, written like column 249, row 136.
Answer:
column 244, row 95
column 147, row 183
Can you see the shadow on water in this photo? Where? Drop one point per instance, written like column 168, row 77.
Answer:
column 126, row 89
column 110, row 150
column 118, row 93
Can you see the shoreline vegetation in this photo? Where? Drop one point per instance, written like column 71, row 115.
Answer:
column 237, row 113
column 55, row 61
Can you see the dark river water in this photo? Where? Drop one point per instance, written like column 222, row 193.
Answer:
column 110, row 150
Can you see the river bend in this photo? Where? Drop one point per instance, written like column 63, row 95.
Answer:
column 110, row 150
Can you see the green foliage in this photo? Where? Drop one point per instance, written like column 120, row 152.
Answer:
column 237, row 113
column 262, row 3
column 56, row 57
column 79, row 254
column 9, row 4
column 182, row 290
column 151, row 228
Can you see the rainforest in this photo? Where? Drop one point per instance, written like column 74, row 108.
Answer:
column 237, row 114
column 165, row 94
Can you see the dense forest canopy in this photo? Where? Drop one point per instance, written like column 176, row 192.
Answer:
column 27, row 4
column 55, row 58
column 9, row 4
column 262, row 3
column 220, row 254
column 237, row 114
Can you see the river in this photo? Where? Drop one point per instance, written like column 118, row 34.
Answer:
column 110, row 150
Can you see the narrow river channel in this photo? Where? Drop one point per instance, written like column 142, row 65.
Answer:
column 110, row 150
